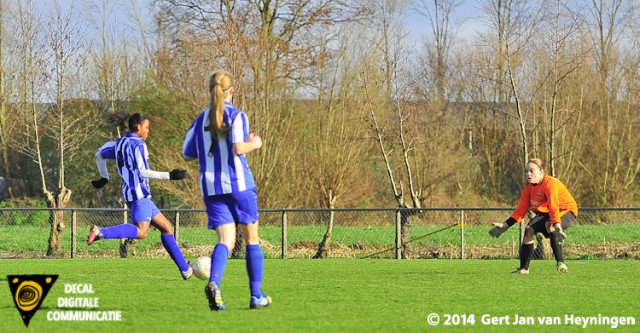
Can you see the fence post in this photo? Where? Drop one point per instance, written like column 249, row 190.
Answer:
column 73, row 233
column 284, row 234
column 461, row 223
column 177, row 231
column 398, row 234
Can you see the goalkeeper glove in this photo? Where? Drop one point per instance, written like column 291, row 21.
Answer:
column 499, row 228
column 558, row 228
column 100, row 182
column 177, row 174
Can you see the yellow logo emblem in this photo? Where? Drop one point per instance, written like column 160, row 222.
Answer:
column 28, row 292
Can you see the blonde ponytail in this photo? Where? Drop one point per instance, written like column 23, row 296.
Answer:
column 219, row 85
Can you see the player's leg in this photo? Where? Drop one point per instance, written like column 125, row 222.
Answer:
column 556, row 239
column 535, row 225
column 246, row 214
column 143, row 229
column 221, row 220
column 226, row 234
column 255, row 266
column 168, row 241
column 226, row 240
column 141, row 214
column 119, row 231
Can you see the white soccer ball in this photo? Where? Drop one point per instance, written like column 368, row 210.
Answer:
column 202, row 267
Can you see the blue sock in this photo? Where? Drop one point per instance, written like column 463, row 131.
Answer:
column 255, row 267
column 218, row 263
column 170, row 244
column 120, row 231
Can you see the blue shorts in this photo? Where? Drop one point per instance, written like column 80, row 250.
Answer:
column 143, row 210
column 239, row 207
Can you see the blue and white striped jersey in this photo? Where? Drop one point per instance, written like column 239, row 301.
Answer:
column 131, row 155
column 221, row 169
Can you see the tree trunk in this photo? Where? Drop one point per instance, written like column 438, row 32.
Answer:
column 323, row 247
column 543, row 248
column 56, row 220
column 405, row 228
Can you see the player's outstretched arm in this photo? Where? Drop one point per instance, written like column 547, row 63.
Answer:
column 175, row 174
column 102, row 167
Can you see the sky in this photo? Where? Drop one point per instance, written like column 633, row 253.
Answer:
column 466, row 19
column 466, row 15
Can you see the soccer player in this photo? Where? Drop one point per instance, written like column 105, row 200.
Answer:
column 219, row 138
column 131, row 155
column 555, row 210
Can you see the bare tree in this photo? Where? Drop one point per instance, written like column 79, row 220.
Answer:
column 394, row 87
column 441, row 121
column 492, row 142
column 30, row 79
column 610, row 21
column 332, row 153
column 515, row 23
column 113, row 57
column 265, row 45
column 60, row 37
column 7, row 122
column 439, row 13
column 386, row 88
column 562, row 52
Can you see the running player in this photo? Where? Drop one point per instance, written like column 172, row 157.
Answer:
column 219, row 138
column 131, row 155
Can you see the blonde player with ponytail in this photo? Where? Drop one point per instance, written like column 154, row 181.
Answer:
column 219, row 138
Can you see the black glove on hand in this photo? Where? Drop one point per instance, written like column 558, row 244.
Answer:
column 499, row 228
column 100, row 182
column 177, row 174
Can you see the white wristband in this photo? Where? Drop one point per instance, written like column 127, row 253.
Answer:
column 146, row 173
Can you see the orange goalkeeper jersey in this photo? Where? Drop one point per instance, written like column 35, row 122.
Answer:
column 550, row 196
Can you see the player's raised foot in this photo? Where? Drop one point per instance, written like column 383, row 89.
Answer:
column 260, row 302
column 187, row 274
column 214, row 297
column 521, row 271
column 562, row 268
column 94, row 235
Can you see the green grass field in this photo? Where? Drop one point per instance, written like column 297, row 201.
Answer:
column 336, row 295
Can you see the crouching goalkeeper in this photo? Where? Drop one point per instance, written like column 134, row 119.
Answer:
column 555, row 210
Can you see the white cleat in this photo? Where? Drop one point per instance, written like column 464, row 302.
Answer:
column 562, row 268
column 521, row 271
column 187, row 274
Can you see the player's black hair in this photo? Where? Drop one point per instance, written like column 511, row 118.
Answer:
column 120, row 118
column 135, row 120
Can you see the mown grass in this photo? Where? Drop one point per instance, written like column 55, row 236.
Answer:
column 336, row 295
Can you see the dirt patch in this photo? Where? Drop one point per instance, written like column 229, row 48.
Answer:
column 307, row 249
column 494, row 251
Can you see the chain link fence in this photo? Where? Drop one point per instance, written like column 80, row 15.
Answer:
column 451, row 233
